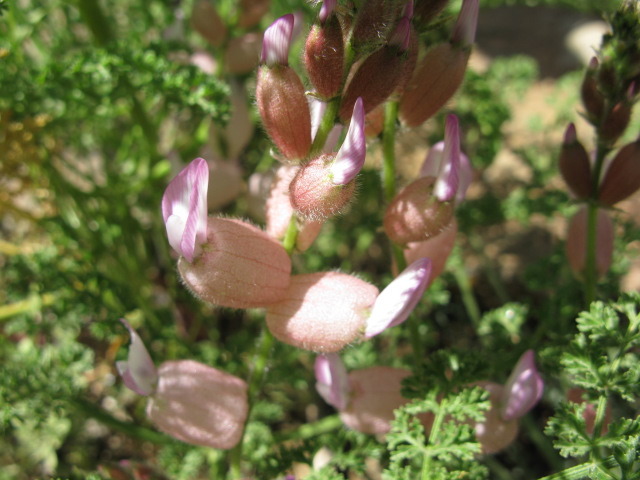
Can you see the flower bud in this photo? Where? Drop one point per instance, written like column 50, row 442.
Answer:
column 240, row 266
column 375, row 394
column 415, row 214
column 208, row 23
column 378, row 75
column 373, row 22
column 252, row 11
column 277, row 41
column 374, row 122
column 577, row 242
column 322, row 312
column 574, row 165
column 592, row 98
column 284, row 110
column 616, row 121
column 464, row 31
column 324, row 57
column 622, row 178
column 243, row 53
column 427, row 10
column 435, row 80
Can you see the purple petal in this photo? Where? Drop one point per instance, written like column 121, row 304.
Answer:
column 350, row 157
column 464, row 31
column 446, row 185
column 277, row 41
column 184, row 208
column 408, row 10
column 332, row 381
column 523, row 389
column 138, row 372
column 328, row 6
column 397, row 301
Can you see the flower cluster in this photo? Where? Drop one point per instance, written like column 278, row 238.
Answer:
column 355, row 62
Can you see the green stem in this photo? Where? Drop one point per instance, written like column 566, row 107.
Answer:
column 291, row 235
column 130, row 429
column 433, row 440
column 310, row 430
column 388, row 150
column 601, row 411
column 29, row 305
column 326, row 125
column 542, row 442
column 581, row 471
column 468, row 298
column 92, row 14
column 255, row 382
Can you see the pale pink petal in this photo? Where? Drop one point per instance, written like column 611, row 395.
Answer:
column 431, row 165
column 332, row 381
column 184, row 208
column 523, row 389
column 277, row 41
column 138, row 372
column 401, row 35
column 350, row 157
column 397, row 301
column 317, row 108
column 446, row 185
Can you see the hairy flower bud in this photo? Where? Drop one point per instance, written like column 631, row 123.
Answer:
column 574, row 165
column 592, row 97
column 622, row 178
column 240, row 266
column 435, row 80
column 322, row 312
column 616, row 121
column 252, row 11
column 324, row 57
column 373, row 22
column 415, row 214
column 243, row 53
column 577, row 242
column 208, row 23
column 495, row 433
column 284, row 110
column 376, row 77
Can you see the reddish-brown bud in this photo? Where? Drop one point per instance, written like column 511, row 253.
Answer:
column 622, row 177
column 374, row 122
column 616, row 121
column 375, row 79
column 409, row 65
column 252, row 11
column 574, row 165
column 284, row 110
column 324, row 57
column 243, row 53
column 577, row 242
column 592, row 97
column 437, row 248
column 208, row 23
column 373, row 23
column 434, row 82
column 427, row 10
column 314, row 195
column 240, row 266
column 415, row 214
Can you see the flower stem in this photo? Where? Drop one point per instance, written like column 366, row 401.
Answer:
column 310, row 430
column 256, row 378
column 326, row 125
column 291, row 235
column 388, row 150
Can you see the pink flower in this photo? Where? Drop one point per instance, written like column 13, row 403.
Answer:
column 188, row 400
column 326, row 311
column 464, row 31
column 184, row 209
column 365, row 398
